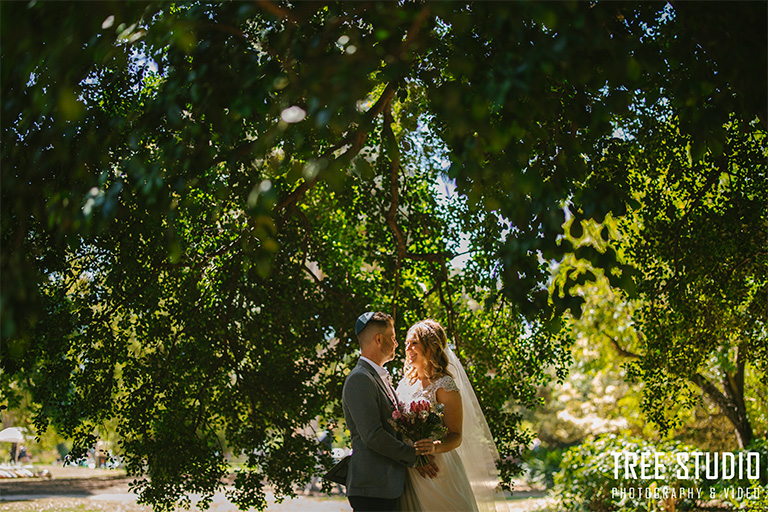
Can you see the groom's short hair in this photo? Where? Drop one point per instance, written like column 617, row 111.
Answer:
column 377, row 321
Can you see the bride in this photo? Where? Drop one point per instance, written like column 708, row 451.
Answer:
column 466, row 456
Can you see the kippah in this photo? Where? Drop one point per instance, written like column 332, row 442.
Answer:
column 362, row 321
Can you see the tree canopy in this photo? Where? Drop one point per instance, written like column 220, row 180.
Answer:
column 198, row 199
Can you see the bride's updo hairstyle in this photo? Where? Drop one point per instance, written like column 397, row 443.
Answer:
column 433, row 340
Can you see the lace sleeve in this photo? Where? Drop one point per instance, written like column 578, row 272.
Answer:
column 447, row 383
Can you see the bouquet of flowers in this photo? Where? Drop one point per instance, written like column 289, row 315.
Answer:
column 421, row 420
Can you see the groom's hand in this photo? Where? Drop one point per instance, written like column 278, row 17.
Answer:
column 430, row 470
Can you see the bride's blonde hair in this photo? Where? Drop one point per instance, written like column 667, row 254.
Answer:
column 433, row 339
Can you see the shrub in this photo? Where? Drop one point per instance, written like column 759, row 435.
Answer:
column 543, row 464
column 724, row 490
column 588, row 480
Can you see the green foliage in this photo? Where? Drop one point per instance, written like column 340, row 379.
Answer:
column 199, row 198
column 598, row 397
column 591, row 479
column 724, row 489
column 509, row 374
column 543, row 464
column 588, row 480
column 704, row 301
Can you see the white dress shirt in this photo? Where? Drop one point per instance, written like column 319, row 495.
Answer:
column 385, row 377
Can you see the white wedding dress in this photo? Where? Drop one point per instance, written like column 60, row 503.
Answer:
column 467, row 477
column 450, row 489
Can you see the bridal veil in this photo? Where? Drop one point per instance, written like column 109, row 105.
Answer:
column 477, row 450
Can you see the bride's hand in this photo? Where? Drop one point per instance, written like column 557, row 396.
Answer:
column 430, row 470
column 426, row 446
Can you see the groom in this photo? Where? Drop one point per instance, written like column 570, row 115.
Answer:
column 377, row 470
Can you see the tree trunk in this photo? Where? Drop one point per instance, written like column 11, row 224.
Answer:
column 730, row 400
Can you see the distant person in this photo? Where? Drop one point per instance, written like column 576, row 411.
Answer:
column 100, row 454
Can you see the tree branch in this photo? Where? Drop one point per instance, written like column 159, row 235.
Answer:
column 358, row 136
column 357, row 139
column 729, row 405
column 741, row 362
column 492, row 329
column 393, row 152
column 322, row 284
column 431, row 257
column 205, row 259
column 619, row 349
column 394, row 156
column 734, row 386
column 278, row 11
column 450, row 313
column 307, row 228
column 722, row 401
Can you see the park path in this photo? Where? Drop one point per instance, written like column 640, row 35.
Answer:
column 126, row 502
column 104, row 490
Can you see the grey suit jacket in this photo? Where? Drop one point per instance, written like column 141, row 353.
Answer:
column 379, row 459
